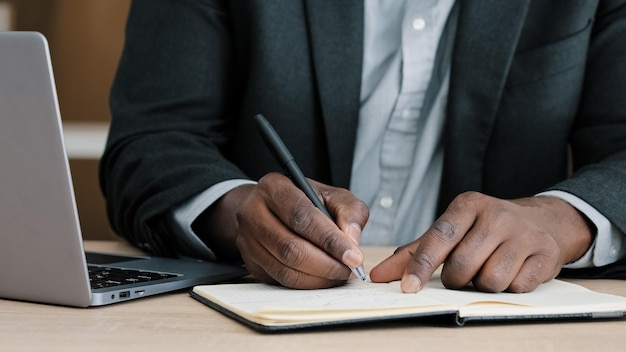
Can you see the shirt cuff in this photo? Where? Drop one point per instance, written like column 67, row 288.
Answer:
column 608, row 245
column 181, row 218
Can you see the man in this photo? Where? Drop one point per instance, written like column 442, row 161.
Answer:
column 456, row 115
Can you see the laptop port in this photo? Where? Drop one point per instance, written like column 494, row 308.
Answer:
column 124, row 294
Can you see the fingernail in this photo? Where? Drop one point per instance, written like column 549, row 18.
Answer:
column 411, row 284
column 352, row 258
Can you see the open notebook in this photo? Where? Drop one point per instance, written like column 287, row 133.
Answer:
column 41, row 249
column 271, row 308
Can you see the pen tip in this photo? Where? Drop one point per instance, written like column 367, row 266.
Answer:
column 359, row 273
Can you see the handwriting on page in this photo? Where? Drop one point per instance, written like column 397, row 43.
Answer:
column 353, row 295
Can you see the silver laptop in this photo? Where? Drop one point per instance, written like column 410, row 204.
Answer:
column 41, row 250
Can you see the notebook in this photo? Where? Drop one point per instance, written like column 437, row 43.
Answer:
column 267, row 308
column 41, row 250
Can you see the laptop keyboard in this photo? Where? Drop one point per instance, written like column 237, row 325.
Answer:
column 103, row 276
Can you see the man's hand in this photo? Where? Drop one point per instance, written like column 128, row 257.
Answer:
column 283, row 238
column 497, row 245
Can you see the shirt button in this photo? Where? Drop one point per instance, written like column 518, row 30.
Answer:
column 386, row 202
column 613, row 252
column 419, row 24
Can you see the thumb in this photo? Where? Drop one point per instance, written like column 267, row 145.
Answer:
column 353, row 230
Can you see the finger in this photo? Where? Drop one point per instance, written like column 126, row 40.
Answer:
column 435, row 245
column 535, row 271
column 267, row 245
column 511, row 259
column 300, row 215
column 266, row 266
column 439, row 241
column 501, row 268
column 392, row 268
column 469, row 255
column 247, row 247
column 296, row 253
column 349, row 212
column 352, row 230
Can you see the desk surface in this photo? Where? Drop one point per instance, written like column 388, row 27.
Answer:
column 176, row 322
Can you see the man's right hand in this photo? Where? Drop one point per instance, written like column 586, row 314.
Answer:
column 282, row 237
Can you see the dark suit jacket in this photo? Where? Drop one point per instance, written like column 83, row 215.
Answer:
column 528, row 79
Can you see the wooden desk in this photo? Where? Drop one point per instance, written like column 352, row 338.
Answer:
column 176, row 322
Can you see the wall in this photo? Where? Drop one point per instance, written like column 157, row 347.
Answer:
column 6, row 16
column 85, row 38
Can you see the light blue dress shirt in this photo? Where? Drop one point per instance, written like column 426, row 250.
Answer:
column 398, row 157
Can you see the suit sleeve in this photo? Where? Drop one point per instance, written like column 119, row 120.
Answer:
column 170, row 110
column 598, row 139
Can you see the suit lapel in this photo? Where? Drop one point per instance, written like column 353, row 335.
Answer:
column 336, row 30
column 486, row 38
column 487, row 34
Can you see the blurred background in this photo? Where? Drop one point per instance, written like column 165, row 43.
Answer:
column 85, row 39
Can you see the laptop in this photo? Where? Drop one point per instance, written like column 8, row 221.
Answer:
column 42, row 258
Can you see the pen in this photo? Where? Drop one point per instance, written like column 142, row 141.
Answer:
column 286, row 160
